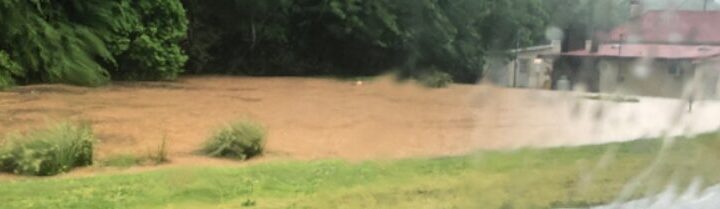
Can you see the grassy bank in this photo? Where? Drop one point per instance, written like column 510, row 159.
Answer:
column 548, row 178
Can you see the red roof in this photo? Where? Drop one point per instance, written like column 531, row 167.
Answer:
column 699, row 27
column 660, row 51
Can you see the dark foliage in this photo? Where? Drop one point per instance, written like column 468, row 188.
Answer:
column 89, row 42
column 85, row 42
column 355, row 37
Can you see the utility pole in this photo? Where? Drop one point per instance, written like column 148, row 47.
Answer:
column 705, row 3
column 516, row 66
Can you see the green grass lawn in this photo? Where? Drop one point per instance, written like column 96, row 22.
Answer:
column 531, row 178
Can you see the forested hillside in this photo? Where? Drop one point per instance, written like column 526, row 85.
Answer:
column 89, row 42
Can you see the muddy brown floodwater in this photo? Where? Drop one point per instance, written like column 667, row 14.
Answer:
column 312, row 118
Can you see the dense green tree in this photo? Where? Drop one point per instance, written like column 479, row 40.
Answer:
column 88, row 42
column 356, row 37
column 149, row 40
column 40, row 38
column 600, row 15
column 8, row 69
column 238, row 36
column 84, row 42
column 581, row 19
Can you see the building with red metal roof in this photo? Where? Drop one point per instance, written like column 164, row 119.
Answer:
column 657, row 53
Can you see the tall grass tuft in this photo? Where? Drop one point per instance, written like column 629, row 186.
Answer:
column 48, row 151
column 435, row 79
column 160, row 155
column 239, row 140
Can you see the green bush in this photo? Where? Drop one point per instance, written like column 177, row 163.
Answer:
column 240, row 140
column 435, row 79
column 49, row 151
column 148, row 47
column 8, row 69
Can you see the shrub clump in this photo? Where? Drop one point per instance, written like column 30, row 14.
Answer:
column 48, row 151
column 239, row 140
column 435, row 79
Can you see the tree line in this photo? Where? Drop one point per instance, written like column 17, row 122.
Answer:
column 90, row 42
